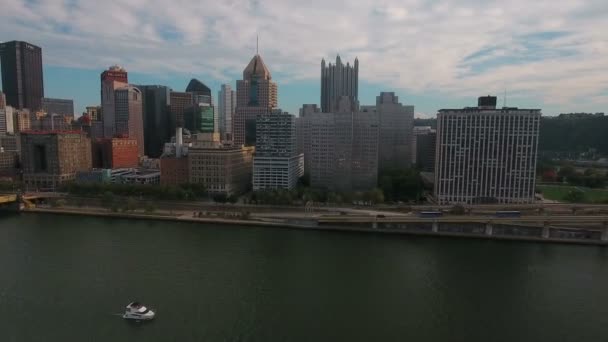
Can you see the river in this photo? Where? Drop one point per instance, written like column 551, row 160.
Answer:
column 65, row 278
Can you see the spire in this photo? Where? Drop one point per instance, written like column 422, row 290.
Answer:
column 257, row 45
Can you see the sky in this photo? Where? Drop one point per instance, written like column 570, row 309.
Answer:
column 548, row 54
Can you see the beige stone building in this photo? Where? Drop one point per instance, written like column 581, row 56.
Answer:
column 223, row 169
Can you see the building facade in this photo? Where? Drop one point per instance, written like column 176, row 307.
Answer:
column 199, row 118
column 94, row 113
column 128, row 113
column 340, row 149
column 485, row 154
column 115, row 153
column 7, row 116
column 112, row 79
column 22, row 121
column 336, row 81
column 226, row 98
column 256, row 95
column 223, row 169
column 426, row 138
column 2, row 100
column 51, row 159
column 276, row 164
column 63, row 107
column 22, row 80
column 179, row 101
column 396, row 124
column 156, row 118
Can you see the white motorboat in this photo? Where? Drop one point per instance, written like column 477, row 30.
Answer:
column 138, row 311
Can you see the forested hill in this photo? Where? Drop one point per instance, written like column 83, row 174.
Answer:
column 566, row 132
column 574, row 133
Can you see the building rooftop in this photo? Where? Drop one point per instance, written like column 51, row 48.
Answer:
column 256, row 67
column 196, row 86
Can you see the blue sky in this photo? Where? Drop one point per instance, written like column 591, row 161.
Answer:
column 548, row 54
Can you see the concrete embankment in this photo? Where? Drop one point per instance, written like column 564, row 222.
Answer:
column 312, row 224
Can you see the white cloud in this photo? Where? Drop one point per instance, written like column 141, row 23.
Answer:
column 415, row 45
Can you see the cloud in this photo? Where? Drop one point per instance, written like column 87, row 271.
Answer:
column 554, row 51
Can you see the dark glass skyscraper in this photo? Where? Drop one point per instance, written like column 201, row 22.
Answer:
column 22, row 74
column 337, row 81
column 157, row 118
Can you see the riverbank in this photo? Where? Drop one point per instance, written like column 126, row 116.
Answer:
column 310, row 223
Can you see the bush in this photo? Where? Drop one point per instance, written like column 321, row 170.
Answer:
column 458, row 209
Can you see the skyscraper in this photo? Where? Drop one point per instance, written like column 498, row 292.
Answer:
column 178, row 103
column 226, row 99
column 256, row 94
column 396, row 129
column 336, row 81
column 486, row 155
column 340, row 149
column 276, row 163
column 6, row 120
column 58, row 106
column 113, row 78
column 128, row 111
column 200, row 92
column 200, row 118
column 156, row 102
column 22, row 80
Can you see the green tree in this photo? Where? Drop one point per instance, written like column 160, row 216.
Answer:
column 458, row 209
column 575, row 196
column 220, row 198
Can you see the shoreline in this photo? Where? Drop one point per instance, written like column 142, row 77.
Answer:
column 287, row 225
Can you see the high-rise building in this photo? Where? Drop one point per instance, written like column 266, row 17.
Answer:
column 2, row 100
column 256, row 94
column 94, row 113
column 276, row 164
column 22, row 80
column 425, row 150
column 21, row 121
column 396, row 123
column 199, row 118
column 156, row 118
column 59, row 106
column 338, row 80
column 178, row 103
column 6, row 120
column 340, row 149
column 111, row 80
column 51, row 159
column 200, row 92
column 128, row 114
column 485, row 154
column 226, row 99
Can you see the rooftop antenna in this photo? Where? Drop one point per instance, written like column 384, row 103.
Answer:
column 504, row 100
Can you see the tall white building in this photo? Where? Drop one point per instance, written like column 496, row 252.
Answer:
column 486, row 155
column 276, row 164
column 6, row 120
column 226, row 100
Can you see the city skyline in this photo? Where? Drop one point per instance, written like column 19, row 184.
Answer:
column 430, row 55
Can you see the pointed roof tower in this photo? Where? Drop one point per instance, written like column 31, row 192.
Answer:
column 258, row 68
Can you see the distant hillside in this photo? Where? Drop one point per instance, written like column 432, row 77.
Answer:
column 576, row 132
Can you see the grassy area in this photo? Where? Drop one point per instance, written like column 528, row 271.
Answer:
column 560, row 193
